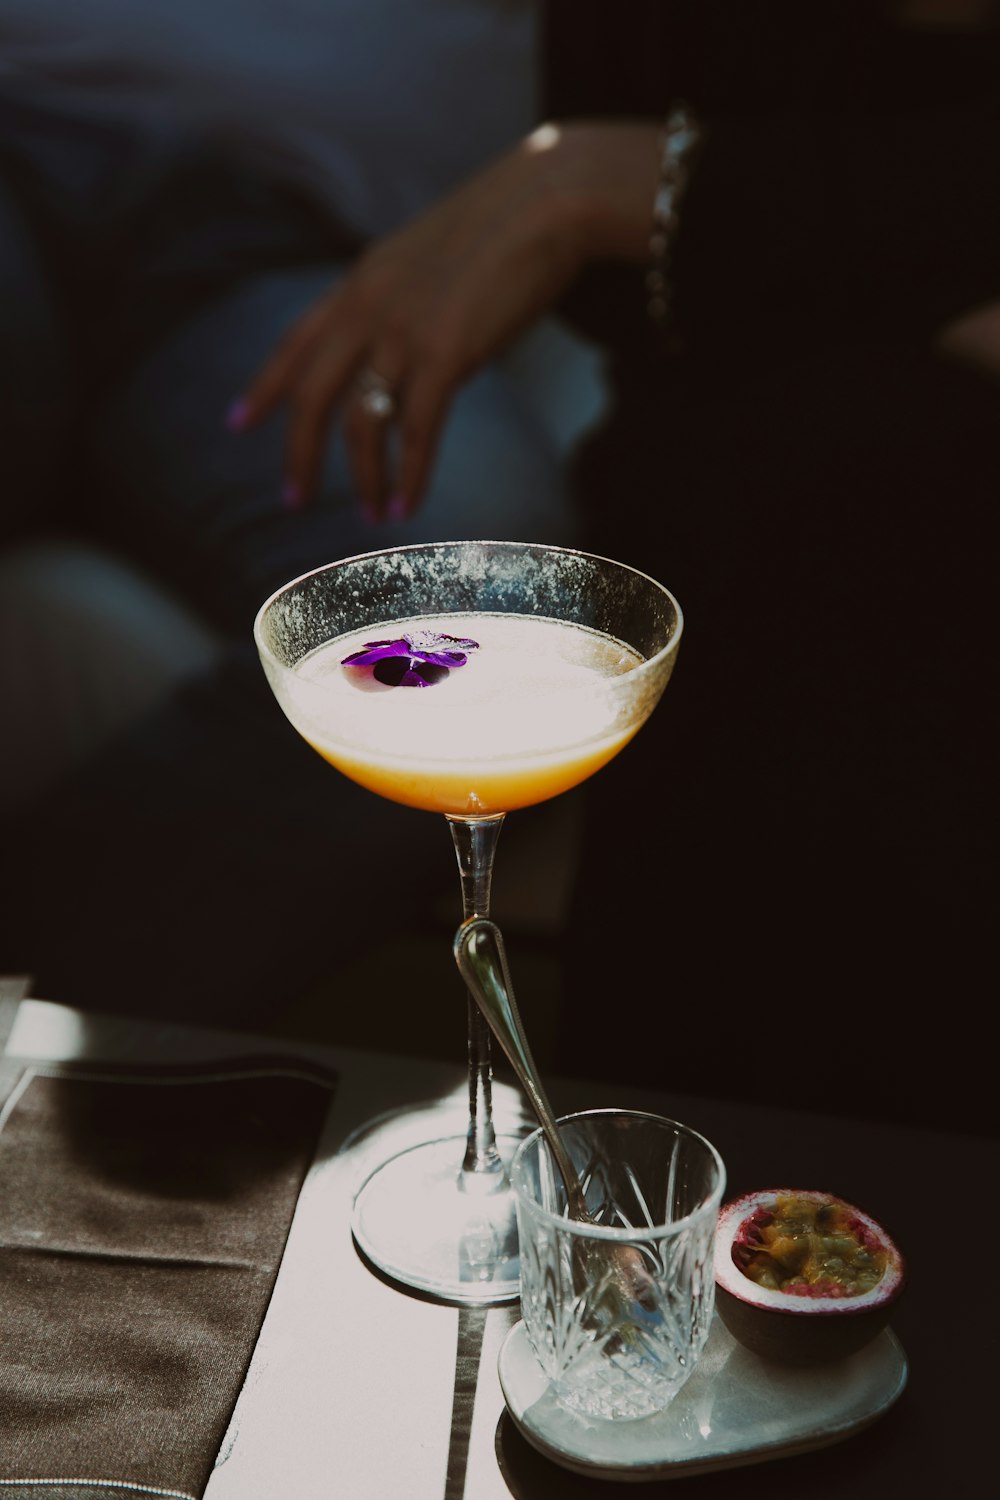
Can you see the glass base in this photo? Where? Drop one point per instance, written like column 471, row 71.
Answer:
column 414, row 1222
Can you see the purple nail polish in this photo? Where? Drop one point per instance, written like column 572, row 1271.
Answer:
column 236, row 416
column 291, row 495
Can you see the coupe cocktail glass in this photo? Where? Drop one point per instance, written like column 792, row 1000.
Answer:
column 564, row 656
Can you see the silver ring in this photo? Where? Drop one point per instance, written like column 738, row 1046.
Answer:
column 375, row 395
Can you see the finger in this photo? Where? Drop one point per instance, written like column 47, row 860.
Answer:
column 428, row 399
column 368, row 422
column 276, row 377
column 320, row 386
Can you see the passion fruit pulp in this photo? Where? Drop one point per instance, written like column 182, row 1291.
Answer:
column 803, row 1276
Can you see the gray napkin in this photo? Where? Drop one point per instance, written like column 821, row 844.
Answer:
column 143, row 1216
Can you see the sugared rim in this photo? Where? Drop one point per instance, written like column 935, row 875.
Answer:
column 360, row 557
column 728, row 1274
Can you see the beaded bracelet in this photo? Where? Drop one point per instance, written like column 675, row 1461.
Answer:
column 682, row 134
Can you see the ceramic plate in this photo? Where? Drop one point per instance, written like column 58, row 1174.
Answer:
column 736, row 1409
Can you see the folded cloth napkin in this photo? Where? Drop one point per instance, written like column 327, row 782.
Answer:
column 143, row 1216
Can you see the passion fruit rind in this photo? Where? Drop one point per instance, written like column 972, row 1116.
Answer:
column 803, row 1276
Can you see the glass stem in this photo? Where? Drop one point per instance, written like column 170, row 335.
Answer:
column 475, row 841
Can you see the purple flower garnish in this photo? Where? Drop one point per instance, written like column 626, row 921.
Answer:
column 415, row 660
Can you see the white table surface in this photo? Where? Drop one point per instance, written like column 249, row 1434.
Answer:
column 349, row 1392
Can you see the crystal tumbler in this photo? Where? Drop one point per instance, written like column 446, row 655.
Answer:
column 618, row 1307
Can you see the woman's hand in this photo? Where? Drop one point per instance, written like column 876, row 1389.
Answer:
column 426, row 306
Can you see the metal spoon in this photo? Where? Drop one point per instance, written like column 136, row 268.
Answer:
column 482, row 960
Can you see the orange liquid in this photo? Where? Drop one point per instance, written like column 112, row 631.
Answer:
column 536, row 710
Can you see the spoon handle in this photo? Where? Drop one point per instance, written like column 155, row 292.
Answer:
column 482, row 959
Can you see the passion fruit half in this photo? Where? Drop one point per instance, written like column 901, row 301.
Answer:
column 803, row 1277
